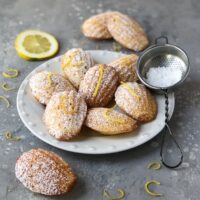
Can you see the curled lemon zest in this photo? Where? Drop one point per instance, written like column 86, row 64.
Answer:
column 111, row 118
column 71, row 58
column 9, row 136
column 146, row 188
column 6, row 101
column 130, row 90
column 5, row 87
column 49, row 78
column 154, row 166
column 101, row 70
column 12, row 73
column 70, row 109
column 120, row 197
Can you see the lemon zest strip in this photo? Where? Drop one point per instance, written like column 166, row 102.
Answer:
column 130, row 90
column 71, row 110
column 5, row 87
column 120, row 197
column 146, row 188
column 49, row 78
column 110, row 118
column 6, row 101
column 9, row 136
column 154, row 166
column 101, row 70
column 13, row 73
column 70, row 59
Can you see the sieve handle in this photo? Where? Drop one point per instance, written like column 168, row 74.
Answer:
column 168, row 130
column 163, row 38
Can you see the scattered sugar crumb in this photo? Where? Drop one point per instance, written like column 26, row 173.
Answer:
column 32, row 143
column 186, row 149
column 4, row 166
column 169, row 150
column 192, row 156
column 185, row 164
column 174, row 173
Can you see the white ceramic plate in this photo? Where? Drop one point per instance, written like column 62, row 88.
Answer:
column 89, row 142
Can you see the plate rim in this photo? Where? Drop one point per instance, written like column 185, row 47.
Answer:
column 56, row 144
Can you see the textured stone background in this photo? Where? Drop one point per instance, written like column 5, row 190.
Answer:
column 179, row 19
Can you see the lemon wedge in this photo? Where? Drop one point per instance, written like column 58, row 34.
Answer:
column 36, row 45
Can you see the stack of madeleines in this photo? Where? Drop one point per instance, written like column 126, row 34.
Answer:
column 83, row 95
column 118, row 26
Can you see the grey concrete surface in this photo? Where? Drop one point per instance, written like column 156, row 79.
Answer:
column 180, row 21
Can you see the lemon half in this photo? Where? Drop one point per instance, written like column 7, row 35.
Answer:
column 36, row 45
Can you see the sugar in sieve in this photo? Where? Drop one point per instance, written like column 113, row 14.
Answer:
column 157, row 63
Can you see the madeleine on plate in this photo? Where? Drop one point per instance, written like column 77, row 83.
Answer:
column 99, row 85
column 75, row 63
column 65, row 114
column 109, row 122
column 126, row 67
column 43, row 84
column 44, row 172
column 137, row 101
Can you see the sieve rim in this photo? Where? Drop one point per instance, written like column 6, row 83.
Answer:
column 138, row 66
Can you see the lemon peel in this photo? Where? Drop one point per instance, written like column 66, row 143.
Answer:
column 6, row 101
column 154, row 166
column 5, row 87
column 147, row 190
column 9, row 136
column 101, row 70
column 111, row 118
column 12, row 73
column 130, row 90
column 120, row 197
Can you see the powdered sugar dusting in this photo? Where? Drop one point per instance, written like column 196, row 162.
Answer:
column 142, row 109
column 44, row 84
column 106, row 89
column 63, row 125
column 75, row 63
column 44, row 172
column 127, row 31
column 126, row 67
column 96, row 27
column 115, row 122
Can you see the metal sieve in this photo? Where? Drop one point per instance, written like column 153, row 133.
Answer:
column 167, row 55
column 162, row 55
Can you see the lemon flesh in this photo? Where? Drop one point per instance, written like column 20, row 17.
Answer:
column 36, row 45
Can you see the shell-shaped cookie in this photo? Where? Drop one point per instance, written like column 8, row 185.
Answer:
column 127, row 31
column 75, row 64
column 137, row 101
column 99, row 85
column 43, row 84
column 65, row 114
column 126, row 67
column 44, row 172
column 96, row 27
column 109, row 122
